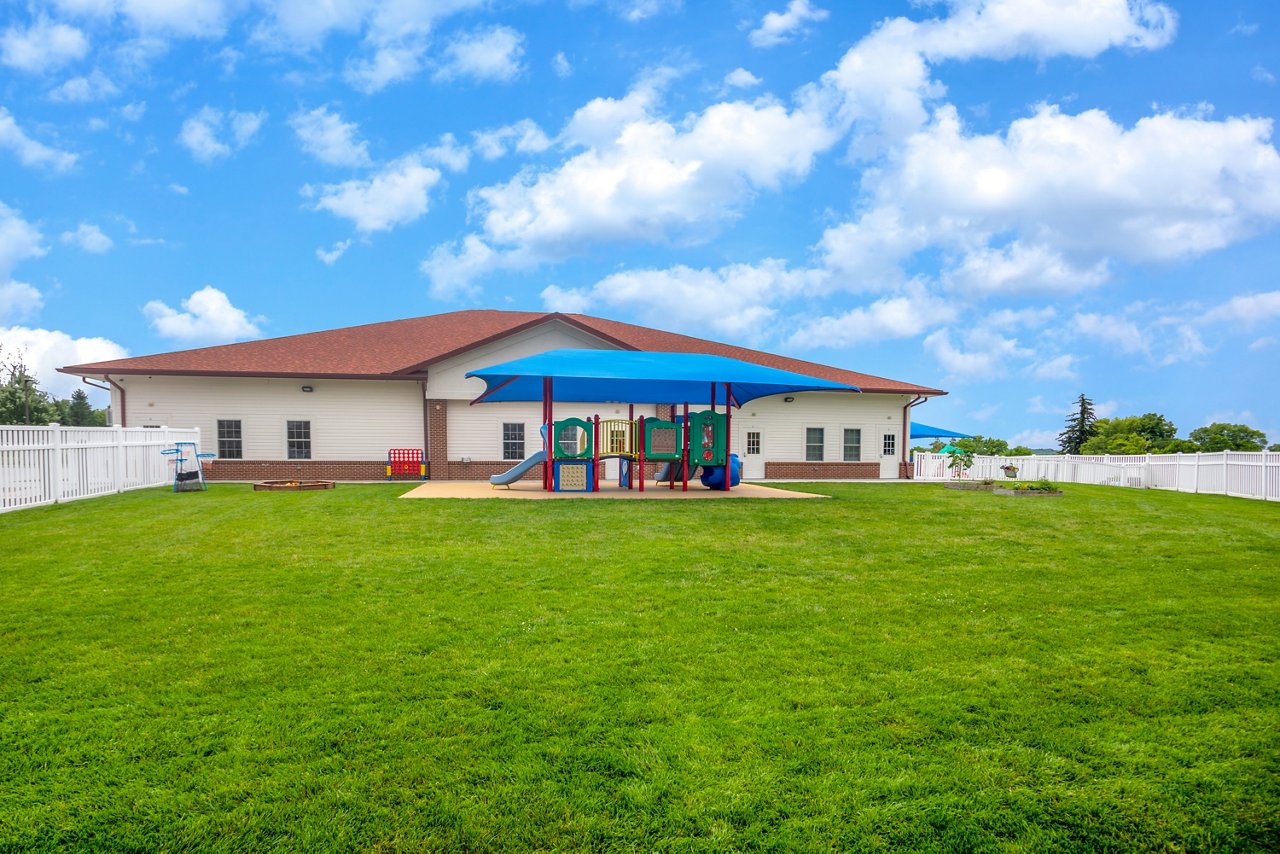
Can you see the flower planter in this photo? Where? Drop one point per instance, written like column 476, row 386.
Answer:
column 1027, row 493
column 292, row 485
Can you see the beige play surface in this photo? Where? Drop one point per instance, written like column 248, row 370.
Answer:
column 533, row 489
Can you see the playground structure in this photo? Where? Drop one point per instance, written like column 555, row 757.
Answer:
column 578, row 448
column 188, row 471
column 574, row 448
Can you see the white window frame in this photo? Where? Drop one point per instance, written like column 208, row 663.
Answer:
column 311, row 441
column 502, row 440
column 844, row 444
column 889, row 445
column 823, row 454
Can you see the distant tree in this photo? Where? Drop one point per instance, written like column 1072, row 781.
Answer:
column 1020, row 451
column 1275, row 447
column 21, row 400
column 983, row 446
column 1118, row 443
column 1228, row 437
column 1179, row 446
column 78, row 412
column 1080, row 427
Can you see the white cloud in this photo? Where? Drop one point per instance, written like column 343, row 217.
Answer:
column 29, row 151
column 134, row 111
column 389, row 64
column 44, row 351
column 1123, row 335
column 1036, row 439
column 182, row 18
column 89, row 238
column 1073, row 191
column 326, row 137
column 1262, row 75
column 1246, row 310
column 641, row 178
column 18, row 301
column 82, row 90
column 1059, row 368
column 735, row 301
column 524, row 137
column 1264, row 343
column 205, row 133
column 483, row 55
column 1021, row 269
column 180, row 189
column 396, row 195
column 885, row 319
column 982, row 355
column 741, row 78
column 19, row 240
column 452, row 267
column 634, row 11
column 448, row 153
column 207, row 316
column 780, row 27
column 561, row 66
column 43, row 46
column 330, row 256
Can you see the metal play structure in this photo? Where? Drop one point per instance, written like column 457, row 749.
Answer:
column 688, row 441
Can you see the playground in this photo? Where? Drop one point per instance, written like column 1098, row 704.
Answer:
column 533, row 489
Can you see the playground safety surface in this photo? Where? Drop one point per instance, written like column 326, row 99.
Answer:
column 533, row 490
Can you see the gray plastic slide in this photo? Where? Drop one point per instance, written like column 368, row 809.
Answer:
column 664, row 473
column 509, row 477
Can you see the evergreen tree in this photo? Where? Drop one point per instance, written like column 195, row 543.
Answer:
column 79, row 413
column 1080, row 427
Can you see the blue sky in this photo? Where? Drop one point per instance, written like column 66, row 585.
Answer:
column 1013, row 200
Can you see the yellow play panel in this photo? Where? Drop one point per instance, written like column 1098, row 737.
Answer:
column 533, row 490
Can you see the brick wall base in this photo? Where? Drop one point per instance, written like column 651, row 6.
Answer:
column 822, row 471
column 905, row 471
column 481, row 470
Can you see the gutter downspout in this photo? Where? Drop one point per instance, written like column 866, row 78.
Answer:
column 124, row 411
column 906, row 423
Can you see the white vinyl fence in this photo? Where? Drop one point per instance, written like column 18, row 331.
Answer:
column 47, row 465
column 1237, row 473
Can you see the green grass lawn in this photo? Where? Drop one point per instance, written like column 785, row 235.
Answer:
column 895, row 667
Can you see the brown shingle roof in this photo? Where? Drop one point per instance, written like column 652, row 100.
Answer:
column 402, row 349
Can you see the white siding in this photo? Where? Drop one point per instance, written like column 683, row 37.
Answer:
column 447, row 380
column 350, row 419
column 475, row 432
column 783, row 424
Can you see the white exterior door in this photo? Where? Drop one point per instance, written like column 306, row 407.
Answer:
column 753, row 454
column 889, row 456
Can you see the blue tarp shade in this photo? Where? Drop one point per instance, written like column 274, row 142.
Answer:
column 924, row 431
column 626, row 376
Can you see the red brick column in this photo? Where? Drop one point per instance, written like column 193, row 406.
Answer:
column 438, row 439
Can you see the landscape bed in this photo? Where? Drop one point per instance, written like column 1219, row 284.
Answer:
column 898, row 667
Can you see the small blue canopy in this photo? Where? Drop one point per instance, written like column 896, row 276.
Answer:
column 924, row 431
column 627, row 376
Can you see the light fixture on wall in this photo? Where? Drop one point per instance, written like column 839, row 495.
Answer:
column 788, row 399
column 308, row 388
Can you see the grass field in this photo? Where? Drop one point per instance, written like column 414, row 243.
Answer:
column 896, row 667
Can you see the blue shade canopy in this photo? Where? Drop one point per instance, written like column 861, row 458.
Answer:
column 626, row 376
column 924, row 431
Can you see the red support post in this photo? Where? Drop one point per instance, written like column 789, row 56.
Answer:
column 684, row 458
column 551, row 432
column 641, row 455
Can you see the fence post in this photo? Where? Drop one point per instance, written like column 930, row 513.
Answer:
column 118, row 479
column 55, row 469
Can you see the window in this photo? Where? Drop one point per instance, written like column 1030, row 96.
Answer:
column 890, row 444
column 230, row 446
column 753, row 442
column 513, row 441
column 813, row 443
column 852, row 445
column 298, row 434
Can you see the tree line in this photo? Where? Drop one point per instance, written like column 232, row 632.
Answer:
column 22, row 401
column 1151, row 433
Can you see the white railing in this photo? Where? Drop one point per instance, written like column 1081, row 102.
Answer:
column 47, row 465
column 1238, row 473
